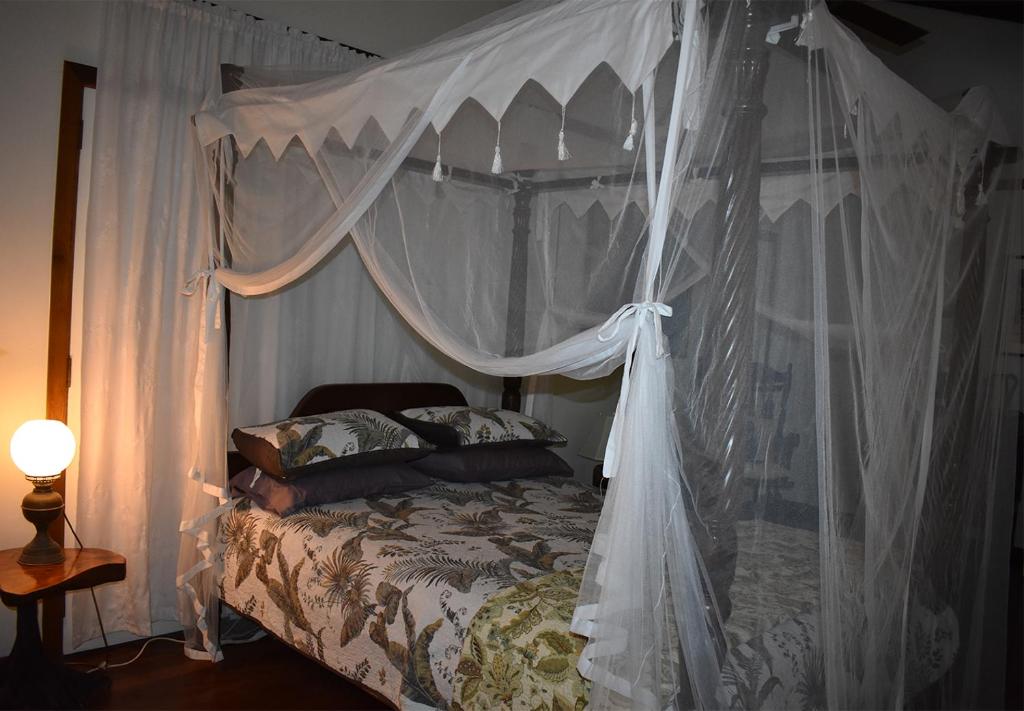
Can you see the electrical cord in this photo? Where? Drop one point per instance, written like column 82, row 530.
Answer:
column 106, row 646
column 105, row 664
column 92, row 591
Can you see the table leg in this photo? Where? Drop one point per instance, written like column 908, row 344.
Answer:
column 32, row 681
column 53, row 626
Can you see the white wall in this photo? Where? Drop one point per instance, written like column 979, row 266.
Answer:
column 35, row 39
column 577, row 409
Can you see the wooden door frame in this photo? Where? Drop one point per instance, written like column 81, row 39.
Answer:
column 76, row 79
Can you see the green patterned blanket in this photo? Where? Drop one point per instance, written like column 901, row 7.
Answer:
column 519, row 652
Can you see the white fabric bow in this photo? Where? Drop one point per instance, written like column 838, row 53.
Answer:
column 192, row 285
column 214, row 292
column 638, row 312
column 610, row 328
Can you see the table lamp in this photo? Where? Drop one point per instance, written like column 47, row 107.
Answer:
column 42, row 449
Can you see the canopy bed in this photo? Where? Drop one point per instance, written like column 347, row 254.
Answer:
column 460, row 594
column 701, row 194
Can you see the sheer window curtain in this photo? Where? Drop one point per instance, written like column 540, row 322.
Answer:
column 141, row 342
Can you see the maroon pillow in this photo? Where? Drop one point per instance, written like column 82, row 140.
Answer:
column 470, row 464
column 326, row 487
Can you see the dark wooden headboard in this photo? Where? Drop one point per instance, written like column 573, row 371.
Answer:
column 383, row 397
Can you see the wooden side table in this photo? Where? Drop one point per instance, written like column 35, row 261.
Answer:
column 30, row 678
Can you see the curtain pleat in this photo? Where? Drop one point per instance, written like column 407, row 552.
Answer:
column 141, row 334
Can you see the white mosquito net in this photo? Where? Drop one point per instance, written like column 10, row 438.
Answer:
column 796, row 259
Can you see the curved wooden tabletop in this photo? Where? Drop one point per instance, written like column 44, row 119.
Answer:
column 81, row 568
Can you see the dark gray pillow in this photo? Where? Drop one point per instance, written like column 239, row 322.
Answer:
column 325, row 487
column 492, row 464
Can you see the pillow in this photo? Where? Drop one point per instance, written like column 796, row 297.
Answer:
column 325, row 487
column 479, row 426
column 304, row 445
column 438, row 434
column 492, row 464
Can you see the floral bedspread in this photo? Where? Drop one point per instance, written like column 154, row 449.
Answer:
column 384, row 589
column 519, row 652
column 775, row 659
column 459, row 596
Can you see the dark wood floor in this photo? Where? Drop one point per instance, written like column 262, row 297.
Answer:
column 260, row 675
column 269, row 675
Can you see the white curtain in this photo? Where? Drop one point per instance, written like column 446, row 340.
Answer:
column 141, row 342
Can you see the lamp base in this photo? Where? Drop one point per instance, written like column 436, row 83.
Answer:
column 41, row 507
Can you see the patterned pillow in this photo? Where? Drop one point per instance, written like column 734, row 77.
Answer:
column 303, row 445
column 480, row 426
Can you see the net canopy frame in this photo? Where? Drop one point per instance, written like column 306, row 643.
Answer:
column 794, row 258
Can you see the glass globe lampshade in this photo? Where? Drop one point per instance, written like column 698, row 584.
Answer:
column 42, row 449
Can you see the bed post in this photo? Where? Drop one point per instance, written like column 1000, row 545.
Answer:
column 511, row 394
column 726, row 362
column 230, row 80
column 515, row 322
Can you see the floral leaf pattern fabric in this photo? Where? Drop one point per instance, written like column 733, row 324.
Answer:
column 302, row 441
column 301, row 449
column 776, row 661
column 459, row 595
column 784, row 667
column 483, row 425
column 519, row 652
column 372, row 430
column 384, row 589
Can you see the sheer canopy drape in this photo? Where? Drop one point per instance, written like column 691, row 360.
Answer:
column 158, row 61
column 791, row 253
